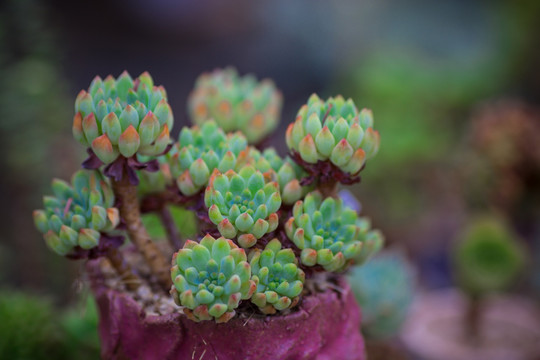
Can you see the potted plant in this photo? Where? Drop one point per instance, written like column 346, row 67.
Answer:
column 478, row 322
column 263, row 279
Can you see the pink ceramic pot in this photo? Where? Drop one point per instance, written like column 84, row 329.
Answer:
column 325, row 327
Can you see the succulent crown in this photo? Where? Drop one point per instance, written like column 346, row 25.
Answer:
column 279, row 281
column 334, row 131
column 243, row 204
column 199, row 151
column 210, row 278
column 330, row 234
column 123, row 117
column 236, row 103
column 77, row 213
column 285, row 172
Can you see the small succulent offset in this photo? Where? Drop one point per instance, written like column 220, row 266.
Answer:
column 236, row 103
column 243, row 205
column 286, row 172
column 236, row 190
column 333, row 131
column 384, row 288
column 330, row 234
column 199, row 151
column 123, row 117
column 210, row 278
column 77, row 213
column 279, row 280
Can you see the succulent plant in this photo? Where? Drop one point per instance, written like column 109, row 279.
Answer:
column 279, row 281
column 210, row 278
column 77, row 213
column 333, row 131
column 123, row 117
column 285, row 172
column 236, row 103
column 199, row 151
column 384, row 289
column 243, row 204
column 330, row 234
column 488, row 258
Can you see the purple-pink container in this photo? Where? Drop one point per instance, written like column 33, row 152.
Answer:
column 325, row 327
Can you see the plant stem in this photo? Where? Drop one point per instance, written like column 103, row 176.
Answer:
column 170, row 227
column 473, row 319
column 126, row 193
column 123, row 269
column 328, row 188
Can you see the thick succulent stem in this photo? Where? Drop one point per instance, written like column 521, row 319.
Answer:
column 328, row 188
column 170, row 227
column 473, row 319
column 126, row 193
column 127, row 276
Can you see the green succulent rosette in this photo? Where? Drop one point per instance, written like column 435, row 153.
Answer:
column 78, row 213
column 279, row 280
column 236, row 103
column 199, row 151
column 243, row 204
column 488, row 257
column 123, row 117
column 211, row 278
column 334, row 131
column 384, row 288
column 285, row 172
column 330, row 234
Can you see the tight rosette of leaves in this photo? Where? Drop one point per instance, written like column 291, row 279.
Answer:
column 279, row 281
column 123, row 117
column 78, row 213
column 236, row 103
column 243, row 204
column 285, row 172
column 330, row 234
column 199, row 151
column 333, row 131
column 211, row 278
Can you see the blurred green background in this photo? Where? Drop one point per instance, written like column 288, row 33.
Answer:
column 422, row 66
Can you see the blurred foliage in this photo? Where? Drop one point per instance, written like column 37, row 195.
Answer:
column 488, row 258
column 31, row 328
column 384, row 288
column 184, row 220
column 80, row 324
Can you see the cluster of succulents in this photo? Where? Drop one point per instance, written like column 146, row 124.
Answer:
column 384, row 288
column 77, row 213
column 266, row 253
column 122, row 117
column 236, row 103
column 333, row 131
